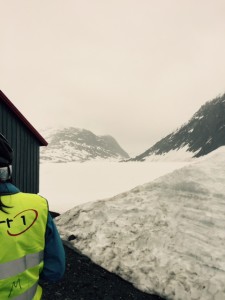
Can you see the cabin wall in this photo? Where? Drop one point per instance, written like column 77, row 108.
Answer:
column 26, row 151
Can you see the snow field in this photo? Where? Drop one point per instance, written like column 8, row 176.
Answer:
column 66, row 185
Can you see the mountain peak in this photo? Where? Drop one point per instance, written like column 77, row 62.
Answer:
column 76, row 144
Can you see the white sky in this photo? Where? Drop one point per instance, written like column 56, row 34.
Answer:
column 136, row 70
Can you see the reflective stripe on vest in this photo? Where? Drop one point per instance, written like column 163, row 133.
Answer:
column 20, row 265
column 22, row 234
column 29, row 294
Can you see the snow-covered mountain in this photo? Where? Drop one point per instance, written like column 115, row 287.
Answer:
column 203, row 133
column 166, row 237
column 74, row 144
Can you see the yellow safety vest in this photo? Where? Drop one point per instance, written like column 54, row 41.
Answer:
column 22, row 242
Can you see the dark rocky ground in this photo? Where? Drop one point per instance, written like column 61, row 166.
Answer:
column 85, row 280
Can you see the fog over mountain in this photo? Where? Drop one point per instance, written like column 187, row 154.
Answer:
column 203, row 133
column 74, row 144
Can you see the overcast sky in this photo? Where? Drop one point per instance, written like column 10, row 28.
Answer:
column 136, row 70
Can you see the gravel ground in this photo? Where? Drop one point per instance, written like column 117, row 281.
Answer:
column 84, row 280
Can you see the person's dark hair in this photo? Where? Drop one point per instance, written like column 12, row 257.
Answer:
column 3, row 207
column 6, row 157
column 6, row 152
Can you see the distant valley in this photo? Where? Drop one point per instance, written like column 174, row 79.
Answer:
column 202, row 134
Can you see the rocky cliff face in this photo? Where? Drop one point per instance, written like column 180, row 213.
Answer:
column 203, row 133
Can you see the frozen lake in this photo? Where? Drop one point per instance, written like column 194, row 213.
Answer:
column 66, row 185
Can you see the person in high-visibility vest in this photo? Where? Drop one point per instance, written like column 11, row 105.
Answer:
column 31, row 248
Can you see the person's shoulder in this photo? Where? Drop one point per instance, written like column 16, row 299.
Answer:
column 34, row 197
column 37, row 196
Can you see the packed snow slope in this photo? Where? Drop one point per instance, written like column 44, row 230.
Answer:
column 167, row 237
column 203, row 133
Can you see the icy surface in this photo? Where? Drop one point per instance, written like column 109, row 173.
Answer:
column 166, row 236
